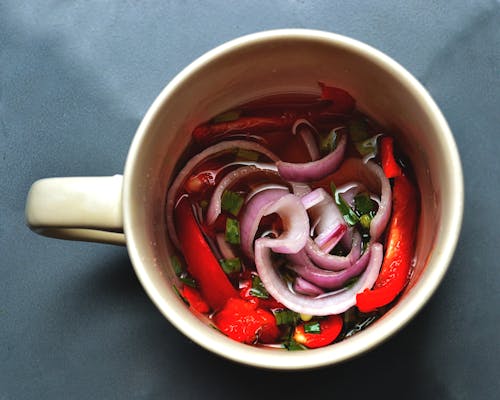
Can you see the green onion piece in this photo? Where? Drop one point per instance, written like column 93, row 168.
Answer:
column 176, row 265
column 367, row 146
column 180, row 295
column 247, row 155
column 292, row 345
column 258, row 289
column 203, row 204
column 231, row 265
column 286, row 317
column 232, row 202
column 228, row 116
column 347, row 212
column 328, row 142
column 188, row 281
column 232, row 231
column 312, row 327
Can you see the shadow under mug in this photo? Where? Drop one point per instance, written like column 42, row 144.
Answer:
column 130, row 210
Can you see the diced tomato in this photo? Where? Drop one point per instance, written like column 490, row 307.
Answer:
column 330, row 328
column 196, row 302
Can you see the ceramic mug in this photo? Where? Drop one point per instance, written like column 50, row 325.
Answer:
column 130, row 210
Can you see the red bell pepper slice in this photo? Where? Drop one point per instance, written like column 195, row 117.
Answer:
column 330, row 328
column 245, row 322
column 389, row 165
column 400, row 240
column 196, row 302
column 202, row 265
column 342, row 101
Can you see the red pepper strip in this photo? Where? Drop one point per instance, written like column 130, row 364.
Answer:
column 202, row 265
column 330, row 328
column 399, row 249
column 244, row 322
column 343, row 102
column 389, row 165
column 243, row 124
column 195, row 300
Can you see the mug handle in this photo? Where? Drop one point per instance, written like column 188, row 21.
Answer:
column 77, row 208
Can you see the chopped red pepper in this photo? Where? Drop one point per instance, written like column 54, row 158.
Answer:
column 268, row 304
column 195, row 300
column 342, row 101
column 245, row 322
column 389, row 165
column 202, row 265
column 330, row 328
column 399, row 249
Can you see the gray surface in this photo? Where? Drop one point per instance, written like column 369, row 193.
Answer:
column 75, row 79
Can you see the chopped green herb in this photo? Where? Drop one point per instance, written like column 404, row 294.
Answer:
column 188, row 281
column 292, row 345
column 228, row 116
column 258, row 289
column 203, row 204
column 231, row 265
column 232, row 202
column 247, row 155
column 364, row 205
column 312, row 327
column 286, row 317
column 367, row 146
column 329, row 142
column 358, row 130
column 232, row 231
column 176, row 265
column 347, row 212
column 365, row 221
column 180, row 295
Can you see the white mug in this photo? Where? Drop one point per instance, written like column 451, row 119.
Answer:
column 130, row 210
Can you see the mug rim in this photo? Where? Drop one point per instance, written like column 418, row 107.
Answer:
column 363, row 341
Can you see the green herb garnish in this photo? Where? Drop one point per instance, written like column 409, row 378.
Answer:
column 286, row 317
column 329, row 142
column 176, row 265
column 258, row 289
column 358, row 130
column 231, row 265
column 364, row 205
column 312, row 327
column 232, row 202
column 347, row 212
column 228, row 116
column 292, row 345
column 188, row 281
column 232, row 231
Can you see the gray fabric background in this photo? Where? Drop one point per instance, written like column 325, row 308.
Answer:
column 75, row 79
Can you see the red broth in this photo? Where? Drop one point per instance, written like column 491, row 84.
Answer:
column 294, row 218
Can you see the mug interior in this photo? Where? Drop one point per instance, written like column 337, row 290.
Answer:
column 282, row 62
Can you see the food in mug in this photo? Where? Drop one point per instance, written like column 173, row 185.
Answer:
column 295, row 219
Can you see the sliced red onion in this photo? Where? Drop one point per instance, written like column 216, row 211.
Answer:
column 305, row 130
column 193, row 162
column 261, row 188
column 328, row 221
column 373, row 177
column 300, row 189
column 332, row 262
column 224, row 247
column 350, row 190
column 214, row 207
column 313, row 198
column 300, row 285
column 331, row 279
column 314, row 170
column 336, row 303
column 295, row 224
column 253, row 213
